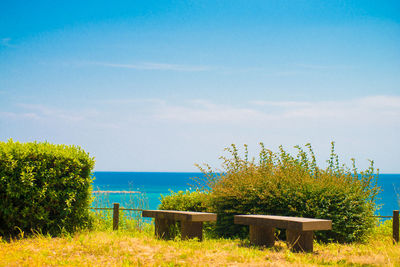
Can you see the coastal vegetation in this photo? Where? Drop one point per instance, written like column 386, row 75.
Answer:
column 278, row 183
column 44, row 188
column 275, row 183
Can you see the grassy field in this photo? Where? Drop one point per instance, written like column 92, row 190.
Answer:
column 140, row 248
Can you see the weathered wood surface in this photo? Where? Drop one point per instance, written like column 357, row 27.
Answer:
column 285, row 222
column 262, row 235
column 299, row 231
column 191, row 222
column 300, row 240
column 183, row 216
column 162, row 228
column 395, row 226
column 191, row 230
column 115, row 216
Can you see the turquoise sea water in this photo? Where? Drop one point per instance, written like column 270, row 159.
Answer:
column 153, row 184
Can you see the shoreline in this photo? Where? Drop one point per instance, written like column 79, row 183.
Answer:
column 116, row 192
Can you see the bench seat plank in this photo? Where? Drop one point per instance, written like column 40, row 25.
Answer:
column 191, row 222
column 285, row 222
column 299, row 231
column 183, row 216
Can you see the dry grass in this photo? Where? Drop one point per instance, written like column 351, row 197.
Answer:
column 123, row 248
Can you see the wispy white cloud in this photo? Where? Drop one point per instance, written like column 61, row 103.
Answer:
column 120, row 114
column 374, row 109
column 284, row 70
column 207, row 112
column 43, row 111
column 17, row 115
column 6, row 42
column 371, row 108
column 382, row 102
column 154, row 66
column 283, row 104
column 125, row 101
column 52, row 115
column 320, row 66
column 159, row 125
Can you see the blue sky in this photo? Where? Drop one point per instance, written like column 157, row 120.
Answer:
column 161, row 85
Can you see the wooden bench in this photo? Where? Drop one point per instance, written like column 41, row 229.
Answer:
column 191, row 222
column 299, row 231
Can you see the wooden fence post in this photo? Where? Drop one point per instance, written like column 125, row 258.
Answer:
column 395, row 226
column 115, row 216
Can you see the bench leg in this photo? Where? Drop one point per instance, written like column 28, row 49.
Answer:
column 192, row 230
column 262, row 235
column 300, row 240
column 163, row 228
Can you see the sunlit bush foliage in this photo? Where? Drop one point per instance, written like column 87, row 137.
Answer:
column 43, row 188
column 283, row 184
column 185, row 201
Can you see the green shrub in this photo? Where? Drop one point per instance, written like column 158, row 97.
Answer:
column 384, row 228
column 185, row 201
column 44, row 188
column 286, row 185
column 188, row 201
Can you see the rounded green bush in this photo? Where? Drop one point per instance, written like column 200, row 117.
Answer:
column 184, row 201
column 44, row 187
column 286, row 185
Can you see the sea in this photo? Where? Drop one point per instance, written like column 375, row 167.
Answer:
column 146, row 188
